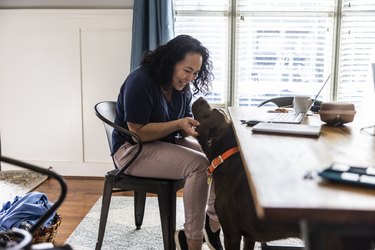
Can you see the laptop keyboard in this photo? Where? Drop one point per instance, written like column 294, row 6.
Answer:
column 287, row 117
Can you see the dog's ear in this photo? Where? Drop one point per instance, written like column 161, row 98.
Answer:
column 205, row 136
column 210, row 129
column 220, row 115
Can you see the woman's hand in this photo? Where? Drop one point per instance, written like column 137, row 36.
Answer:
column 188, row 125
column 155, row 131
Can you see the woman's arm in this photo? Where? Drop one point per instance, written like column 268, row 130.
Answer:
column 155, row 131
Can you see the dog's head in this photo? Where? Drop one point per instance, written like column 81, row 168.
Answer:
column 214, row 128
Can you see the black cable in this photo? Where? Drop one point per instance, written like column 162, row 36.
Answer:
column 364, row 130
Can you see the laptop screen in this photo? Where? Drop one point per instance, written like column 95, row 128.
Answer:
column 320, row 90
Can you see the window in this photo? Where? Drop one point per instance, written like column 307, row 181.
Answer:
column 357, row 51
column 283, row 48
column 208, row 21
column 268, row 48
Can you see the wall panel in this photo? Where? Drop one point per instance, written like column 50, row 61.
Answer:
column 54, row 66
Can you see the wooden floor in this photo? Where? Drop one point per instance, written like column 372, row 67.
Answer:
column 82, row 194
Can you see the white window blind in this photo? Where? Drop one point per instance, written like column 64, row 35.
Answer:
column 357, row 51
column 285, row 5
column 207, row 20
column 284, row 47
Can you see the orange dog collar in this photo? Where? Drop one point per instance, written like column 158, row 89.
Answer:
column 220, row 159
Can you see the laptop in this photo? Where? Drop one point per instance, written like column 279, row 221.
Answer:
column 291, row 118
column 287, row 129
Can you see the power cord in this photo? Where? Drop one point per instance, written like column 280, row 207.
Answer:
column 369, row 130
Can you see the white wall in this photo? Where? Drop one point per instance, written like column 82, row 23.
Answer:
column 67, row 4
column 54, row 66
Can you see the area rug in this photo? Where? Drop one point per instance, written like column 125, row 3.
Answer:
column 120, row 231
column 18, row 183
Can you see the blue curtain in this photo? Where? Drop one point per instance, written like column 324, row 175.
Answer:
column 152, row 26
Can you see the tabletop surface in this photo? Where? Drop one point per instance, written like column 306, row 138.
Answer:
column 279, row 170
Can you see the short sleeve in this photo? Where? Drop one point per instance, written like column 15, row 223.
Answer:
column 138, row 98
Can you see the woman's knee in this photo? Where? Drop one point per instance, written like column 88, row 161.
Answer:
column 201, row 163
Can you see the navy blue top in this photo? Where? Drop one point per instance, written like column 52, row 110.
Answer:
column 141, row 101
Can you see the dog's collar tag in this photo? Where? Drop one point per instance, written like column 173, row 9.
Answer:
column 209, row 179
column 218, row 160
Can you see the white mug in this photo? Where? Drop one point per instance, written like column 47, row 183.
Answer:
column 301, row 104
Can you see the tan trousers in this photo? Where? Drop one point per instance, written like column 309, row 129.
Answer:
column 183, row 160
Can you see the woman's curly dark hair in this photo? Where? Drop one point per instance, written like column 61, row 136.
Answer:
column 161, row 62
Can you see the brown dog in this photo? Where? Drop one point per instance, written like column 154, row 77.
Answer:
column 234, row 204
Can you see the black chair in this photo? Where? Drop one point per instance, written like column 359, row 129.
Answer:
column 117, row 180
column 20, row 239
column 285, row 101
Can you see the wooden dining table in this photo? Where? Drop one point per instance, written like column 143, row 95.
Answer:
column 282, row 171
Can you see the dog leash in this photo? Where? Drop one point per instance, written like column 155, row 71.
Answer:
column 219, row 160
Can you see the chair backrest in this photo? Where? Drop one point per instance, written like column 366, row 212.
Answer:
column 106, row 112
column 285, row 101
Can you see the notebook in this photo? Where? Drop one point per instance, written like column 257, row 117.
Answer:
column 289, row 129
column 292, row 118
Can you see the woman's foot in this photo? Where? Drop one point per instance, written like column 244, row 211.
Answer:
column 180, row 240
column 212, row 238
column 183, row 243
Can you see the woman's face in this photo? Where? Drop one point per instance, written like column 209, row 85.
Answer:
column 186, row 70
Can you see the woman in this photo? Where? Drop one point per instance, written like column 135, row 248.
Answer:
column 155, row 103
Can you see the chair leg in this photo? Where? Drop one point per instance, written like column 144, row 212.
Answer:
column 107, row 195
column 167, row 208
column 139, row 208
